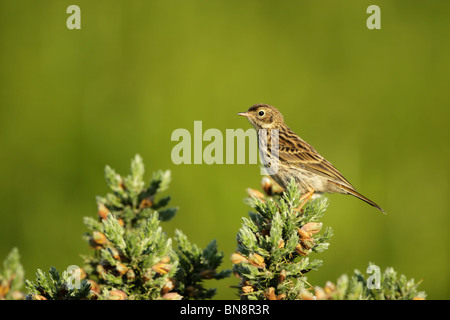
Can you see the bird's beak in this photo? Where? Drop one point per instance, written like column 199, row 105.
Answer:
column 244, row 114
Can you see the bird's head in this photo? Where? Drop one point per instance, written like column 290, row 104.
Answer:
column 263, row 116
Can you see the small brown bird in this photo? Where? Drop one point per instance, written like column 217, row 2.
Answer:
column 297, row 159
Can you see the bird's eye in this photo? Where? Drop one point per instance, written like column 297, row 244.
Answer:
column 261, row 113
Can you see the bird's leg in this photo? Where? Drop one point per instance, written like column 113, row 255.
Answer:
column 304, row 199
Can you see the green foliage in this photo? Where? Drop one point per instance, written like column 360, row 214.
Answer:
column 12, row 277
column 197, row 265
column 133, row 256
column 358, row 287
column 273, row 251
column 131, row 201
column 137, row 261
column 57, row 287
column 274, row 244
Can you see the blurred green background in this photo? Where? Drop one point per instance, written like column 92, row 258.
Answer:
column 374, row 102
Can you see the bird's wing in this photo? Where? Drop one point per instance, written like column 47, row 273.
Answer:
column 294, row 151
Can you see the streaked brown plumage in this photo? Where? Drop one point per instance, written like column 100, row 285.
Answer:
column 299, row 160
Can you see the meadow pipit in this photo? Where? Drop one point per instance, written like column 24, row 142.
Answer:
column 297, row 159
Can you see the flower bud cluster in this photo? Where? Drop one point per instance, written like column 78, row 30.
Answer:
column 275, row 243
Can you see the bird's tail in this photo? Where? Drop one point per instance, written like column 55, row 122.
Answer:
column 358, row 195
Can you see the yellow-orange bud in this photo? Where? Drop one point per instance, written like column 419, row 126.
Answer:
column 237, row 258
column 306, row 295
column 247, row 289
column 99, row 238
column 308, row 243
column 172, row 296
column 102, row 211
column 303, row 234
column 255, row 193
column 121, row 268
column 145, row 203
column 312, row 227
column 117, row 295
column 162, row 268
column 301, row 251
column 270, row 294
column 256, row 260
